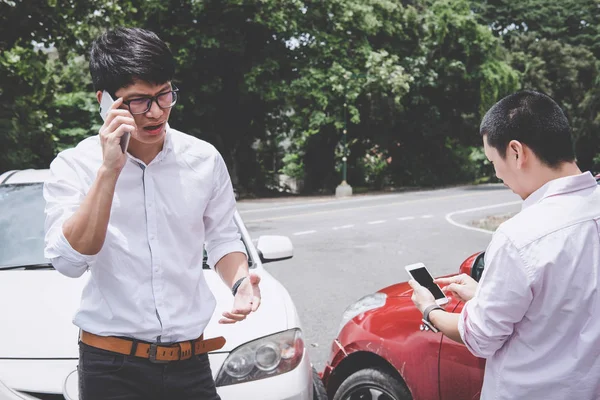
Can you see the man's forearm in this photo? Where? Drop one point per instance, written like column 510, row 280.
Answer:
column 447, row 323
column 86, row 229
column 232, row 267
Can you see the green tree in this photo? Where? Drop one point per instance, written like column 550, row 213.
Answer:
column 555, row 45
column 415, row 79
column 460, row 70
column 42, row 78
column 274, row 83
column 339, row 63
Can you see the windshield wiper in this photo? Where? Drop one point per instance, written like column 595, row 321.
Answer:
column 27, row 266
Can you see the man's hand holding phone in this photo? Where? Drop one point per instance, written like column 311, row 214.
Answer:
column 117, row 124
column 421, row 296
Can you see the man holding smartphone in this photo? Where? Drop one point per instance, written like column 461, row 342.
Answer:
column 137, row 221
column 534, row 313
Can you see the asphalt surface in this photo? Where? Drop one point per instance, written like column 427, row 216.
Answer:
column 347, row 248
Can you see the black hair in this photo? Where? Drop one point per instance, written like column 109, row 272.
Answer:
column 533, row 119
column 123, row 55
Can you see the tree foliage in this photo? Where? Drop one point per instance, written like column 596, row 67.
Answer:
column 274, row 84
column 555, row 45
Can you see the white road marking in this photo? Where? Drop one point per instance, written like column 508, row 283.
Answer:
column 337, row 210
column 328, row 200
column 335, row 228
column 320, row 202
column 304, row 233
column 427, row 216
column 381, row 221
column 405, row 218
column 468, row 210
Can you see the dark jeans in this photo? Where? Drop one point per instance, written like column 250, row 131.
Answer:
column 107, row 375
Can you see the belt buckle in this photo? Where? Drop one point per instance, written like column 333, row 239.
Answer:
column 152, row 354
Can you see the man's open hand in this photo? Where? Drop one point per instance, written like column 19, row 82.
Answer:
column 246, row 300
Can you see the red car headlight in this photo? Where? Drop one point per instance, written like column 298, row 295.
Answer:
column 367, row 303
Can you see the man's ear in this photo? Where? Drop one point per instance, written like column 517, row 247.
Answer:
column 99, row 96
column 516, row 152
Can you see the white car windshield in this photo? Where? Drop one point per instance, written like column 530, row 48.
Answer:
column 22, row 225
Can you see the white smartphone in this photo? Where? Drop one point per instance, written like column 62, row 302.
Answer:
column 105, row 104
column 420, row 274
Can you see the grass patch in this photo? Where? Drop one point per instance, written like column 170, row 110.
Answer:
column 492, row 222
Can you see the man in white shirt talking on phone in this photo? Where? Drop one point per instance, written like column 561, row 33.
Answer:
column 535, row 314
column 138, row 221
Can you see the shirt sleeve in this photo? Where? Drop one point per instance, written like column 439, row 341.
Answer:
column 503, row 296
column 63, row 193
column 222, row 234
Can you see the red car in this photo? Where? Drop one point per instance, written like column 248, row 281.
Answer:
column 383, row 353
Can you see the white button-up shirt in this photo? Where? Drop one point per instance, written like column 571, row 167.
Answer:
column 147, row 281
column 536, row 314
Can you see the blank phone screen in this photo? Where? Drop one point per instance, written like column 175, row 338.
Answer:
column 422, row 276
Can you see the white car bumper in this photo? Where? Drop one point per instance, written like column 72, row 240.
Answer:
column 36, row 376
column 9, row 394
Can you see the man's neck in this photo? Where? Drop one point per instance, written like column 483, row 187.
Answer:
column 145, row 152
column 563, row 170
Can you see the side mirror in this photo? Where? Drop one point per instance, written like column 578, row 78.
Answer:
column 274, row 248
column 478, row 266
column 467, row 266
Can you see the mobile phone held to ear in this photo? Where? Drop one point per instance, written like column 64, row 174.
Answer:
column 105, row 103
column 420, row 274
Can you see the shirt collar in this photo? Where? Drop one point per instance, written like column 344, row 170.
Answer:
column 167, row 146
column 560, row 186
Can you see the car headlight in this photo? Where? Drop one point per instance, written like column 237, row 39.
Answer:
column 262, row 358
column 367, row 303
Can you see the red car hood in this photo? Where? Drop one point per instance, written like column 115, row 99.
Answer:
column 401, row 289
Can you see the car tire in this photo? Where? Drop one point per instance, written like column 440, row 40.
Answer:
column 319, row 391
column 372, row 384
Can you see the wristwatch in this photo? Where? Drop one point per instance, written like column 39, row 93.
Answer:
column 427, row 324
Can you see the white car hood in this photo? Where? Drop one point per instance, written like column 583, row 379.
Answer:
column 37, row 309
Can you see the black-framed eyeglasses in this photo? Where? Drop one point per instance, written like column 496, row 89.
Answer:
column 143, row 104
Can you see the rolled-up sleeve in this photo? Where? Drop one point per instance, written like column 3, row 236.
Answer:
column 63, row 193
column 222, row 234
column 503, row 296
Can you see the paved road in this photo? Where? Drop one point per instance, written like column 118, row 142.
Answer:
column 347, row 248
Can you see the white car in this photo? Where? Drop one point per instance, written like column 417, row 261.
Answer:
column 38, row 341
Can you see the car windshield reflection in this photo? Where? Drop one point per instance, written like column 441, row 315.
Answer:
column 22, row 228
column 22, row 225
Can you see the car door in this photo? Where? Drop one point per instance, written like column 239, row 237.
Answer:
column 461, row 373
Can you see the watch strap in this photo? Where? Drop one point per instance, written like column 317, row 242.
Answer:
column 236, row 285
column 426, row 319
